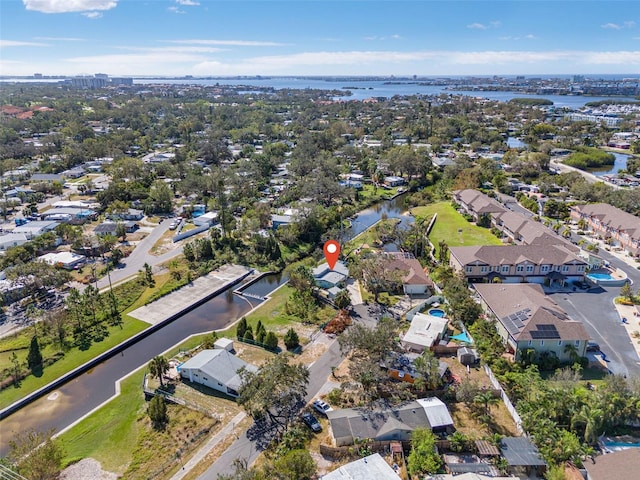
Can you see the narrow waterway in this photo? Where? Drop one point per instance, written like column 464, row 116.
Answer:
column 84, row 393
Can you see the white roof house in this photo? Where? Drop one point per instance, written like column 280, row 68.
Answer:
column 373, row 466
column 35, row 229
column 208, row 218
column 217, row 369
column 12, row 240
column 425, row 331
column 66, row 260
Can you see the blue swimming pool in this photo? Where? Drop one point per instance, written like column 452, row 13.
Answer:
column 437, row 312
column 600, row 276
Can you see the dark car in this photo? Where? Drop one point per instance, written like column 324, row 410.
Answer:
column 311, row 422
column 593, row 347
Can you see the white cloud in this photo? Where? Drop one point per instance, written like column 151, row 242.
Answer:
column 18, row 43
column 485, row 26
column 526, row 37
column 175, row 10
column 92, row 15
column 188, row 3
column 66, row 6
column 235, row 43
column 618, row 26
column 61, row 39
column 192, row 59
column 375, row 38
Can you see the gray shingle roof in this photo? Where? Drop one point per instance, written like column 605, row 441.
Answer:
column 515, row 254
column 219, row 364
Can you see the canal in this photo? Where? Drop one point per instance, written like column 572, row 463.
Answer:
column 86, row 392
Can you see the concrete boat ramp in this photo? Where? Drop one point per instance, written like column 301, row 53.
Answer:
column 191, row 295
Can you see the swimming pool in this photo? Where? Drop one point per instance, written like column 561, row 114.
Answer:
column 600, row 276
column 437, row 312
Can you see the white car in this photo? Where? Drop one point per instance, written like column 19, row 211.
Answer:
column 322, row 407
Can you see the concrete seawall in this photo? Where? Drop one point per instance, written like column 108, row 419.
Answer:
column 188, row 303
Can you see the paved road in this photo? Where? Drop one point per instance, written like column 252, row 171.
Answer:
column 596, row 311
column 140, row 255
column 244, row 447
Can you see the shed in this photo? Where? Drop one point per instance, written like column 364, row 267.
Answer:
column 467, row 356
column 522, row 456
column 224, row 343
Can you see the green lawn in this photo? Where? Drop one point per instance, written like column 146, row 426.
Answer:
column 72, row 359
column 451, row 227
column 110, row 434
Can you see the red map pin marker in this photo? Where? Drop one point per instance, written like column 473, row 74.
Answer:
column 331, row 252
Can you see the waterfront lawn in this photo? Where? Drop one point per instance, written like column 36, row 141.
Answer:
column 73, row 358
column 109, row 434
column 452, row 227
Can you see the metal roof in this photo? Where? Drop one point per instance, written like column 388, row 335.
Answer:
column 519, row 451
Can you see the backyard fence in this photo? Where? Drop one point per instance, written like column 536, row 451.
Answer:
column 512, row 410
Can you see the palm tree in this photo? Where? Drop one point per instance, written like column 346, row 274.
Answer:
column 486, row 398
column 592, row 418
column 158, row 366
column 571, row 350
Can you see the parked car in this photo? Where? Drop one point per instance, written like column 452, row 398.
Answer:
column 174, row 224
column 322, row 407
column 311, row 422
column 593, row 347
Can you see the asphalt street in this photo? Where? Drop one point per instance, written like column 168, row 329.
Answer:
column 246, row 448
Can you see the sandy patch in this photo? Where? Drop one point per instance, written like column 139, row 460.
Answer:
column 87, row 469
column 632, row 324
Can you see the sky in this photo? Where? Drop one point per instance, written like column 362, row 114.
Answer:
column 307, row 37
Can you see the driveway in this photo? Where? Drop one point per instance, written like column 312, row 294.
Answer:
column 595, row 309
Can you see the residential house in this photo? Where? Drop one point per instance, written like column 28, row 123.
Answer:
column 367, row 468
column 393, row 181
column 12, row 240
column 217, row 369
column 106, row 228
column 522, row 456
column 414, row 280
column 526, row 318
column 206, row 219
column 69, row 215
column 327, row 278
column 613, row 466
column 47, row 178
column 391, row 423
column 35, row 229
column 280, row 220
column 131, row 214
column 518, row 263
column 425, row 332
column 66, row 260
column 612, row 223
column 476, row 203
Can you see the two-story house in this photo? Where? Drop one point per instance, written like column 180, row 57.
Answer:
column 526, row 318
column 611, row 222
column 518, row 264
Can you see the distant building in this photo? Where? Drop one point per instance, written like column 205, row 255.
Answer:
column 613, row 223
